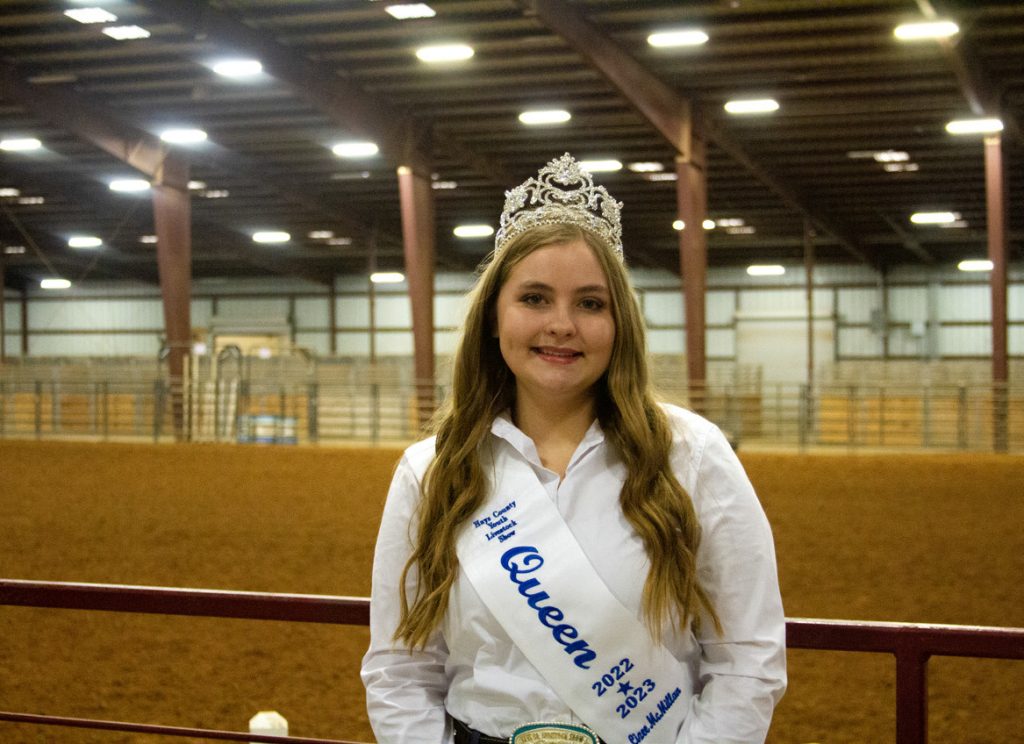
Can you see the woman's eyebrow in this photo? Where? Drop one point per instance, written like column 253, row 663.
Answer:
column 541, row 286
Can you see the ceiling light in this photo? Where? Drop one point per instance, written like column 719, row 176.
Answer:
column 339, row 241
column 901, row 167
column 14, row 250
column 974, row 126
column 183, row 136
column 238, row 68
column 126, row 33
column 129, row 185
column 90, row 15
column 860, row 154
column 196, row 185
column 708, row 224
column 646, row 167
column 84, row 241
column 925, row 30
column 444, row 53
column 444, row 185
column 766, row 270
column 350, row 176
column 955, row 224
column 550, row 116
column 407, row 11
column 320, row 234
column 730, row 222
column 677, row 38
column 891, row 156
column 20, row 144
column 387, row 277
column 355, row 149
column 30, row 200
column 271, row 236
column 147, row 239
column 678, row 225
column 661, row 176
column 214, row 193
column 9, row 193
column 752, row 106
column 743, row 230
column 600, row 166
column 975, row 264
column 473, row 231
column 55, row 284
column 933, row 218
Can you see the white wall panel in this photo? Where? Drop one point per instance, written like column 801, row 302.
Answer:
column 965, row 341
column 99, row 314
column 719, row 306
column 720, row 343
column 201, row 311
column 1015, row 302
column 353, row 343
column 902, row 342
column 393, row 311
column 445, row 342
column 666, row 341
column 971, row 302
column 12, row 316
column 252, row 308
column 1015, row 340
column 775, row 301
column 449, row 310
column 908, row 304
column 312, row 312
column 856, row 304
column 859, row 342
column 94, row 345
column 663, row 307
column 353, row 312
column 397, row 343
column 12, row 344
column 318, row 343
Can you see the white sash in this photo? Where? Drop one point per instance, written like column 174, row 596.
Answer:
column 525, row 563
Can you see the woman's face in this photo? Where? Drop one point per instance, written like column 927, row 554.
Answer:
column 554, row 323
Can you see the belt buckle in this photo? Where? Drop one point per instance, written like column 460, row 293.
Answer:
column 552, row 733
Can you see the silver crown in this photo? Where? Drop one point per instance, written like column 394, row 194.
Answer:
column 562, row 193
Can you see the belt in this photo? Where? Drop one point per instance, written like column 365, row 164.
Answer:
column 465, row 735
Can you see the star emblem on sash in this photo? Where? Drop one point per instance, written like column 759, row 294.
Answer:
column 625, row 687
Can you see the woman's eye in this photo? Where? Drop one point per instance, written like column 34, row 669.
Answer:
column 592, row 303
column 531, row 299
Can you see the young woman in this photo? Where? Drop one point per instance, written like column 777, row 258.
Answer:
column 566, row 558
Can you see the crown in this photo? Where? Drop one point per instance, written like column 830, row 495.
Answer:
column 562, row 193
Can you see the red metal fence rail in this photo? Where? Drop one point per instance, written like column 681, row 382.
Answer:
column 912, row 644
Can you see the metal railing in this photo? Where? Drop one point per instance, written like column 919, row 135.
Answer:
column 943, row 417
column 912, row 644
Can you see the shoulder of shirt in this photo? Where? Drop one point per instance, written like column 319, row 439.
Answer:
column 419, row 455
column 685, row 423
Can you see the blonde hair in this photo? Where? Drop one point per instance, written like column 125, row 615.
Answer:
column 454, row 486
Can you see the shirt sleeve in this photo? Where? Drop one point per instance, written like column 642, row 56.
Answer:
column 742, row 672
column 405, row 688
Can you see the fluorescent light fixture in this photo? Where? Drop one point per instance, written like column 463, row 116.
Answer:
column 126, row 33
column 9, row 193
column 31, row 200
column 955, row 224
column 20, row 144
column 709, row 224
column 350, row 176
column 387, row 277
column 147, row 239
column 766, row 270
column 408, row 11
column 473, row 231
column 55, row 284
column 549, row 116
column 646, row 167
column 901, row 167
column 730, row 222
column 183, row 136
column 14, row 250
column 742, row 230
column 677, row 38
column 975, row 264
column 974, row 126
column 339, row 241
column 129, row 185
column 444, row 53
column 752, row 106
column 933, row 218
column 661, row 176
column 601, row 166
column 355, row 149
column 925, row 30
column 84, row 241
column 271, row 236
column 238, row 68
column 215, row 193
column 264, row 353
column 320, row 234
column 444, row 185
column 90, row 15
column 891, row 156
column 678, row 225
column 196, row 185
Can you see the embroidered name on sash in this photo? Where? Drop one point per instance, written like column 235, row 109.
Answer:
column 523, row 560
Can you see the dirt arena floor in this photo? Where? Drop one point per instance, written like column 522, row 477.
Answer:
column 925, row 538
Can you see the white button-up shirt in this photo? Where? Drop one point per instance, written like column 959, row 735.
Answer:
column 471, row 669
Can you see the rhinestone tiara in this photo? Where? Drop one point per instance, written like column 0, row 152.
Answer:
column 562, row 193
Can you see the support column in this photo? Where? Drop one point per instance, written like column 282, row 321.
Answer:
column 418, row 231
column 3, row 322
column 691, row 193
column 173, row 221
column 809, row 260
column 332, row 316
column 996, row 203
column 24, row 321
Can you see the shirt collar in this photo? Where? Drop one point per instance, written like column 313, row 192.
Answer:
column 503, row 428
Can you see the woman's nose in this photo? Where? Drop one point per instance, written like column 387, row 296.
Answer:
column 561, row 322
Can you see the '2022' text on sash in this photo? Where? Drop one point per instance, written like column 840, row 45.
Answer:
column 530, row 571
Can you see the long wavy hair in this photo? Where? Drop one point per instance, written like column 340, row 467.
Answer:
column 455, row 486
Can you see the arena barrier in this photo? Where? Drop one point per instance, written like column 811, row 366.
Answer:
column 912, row 644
